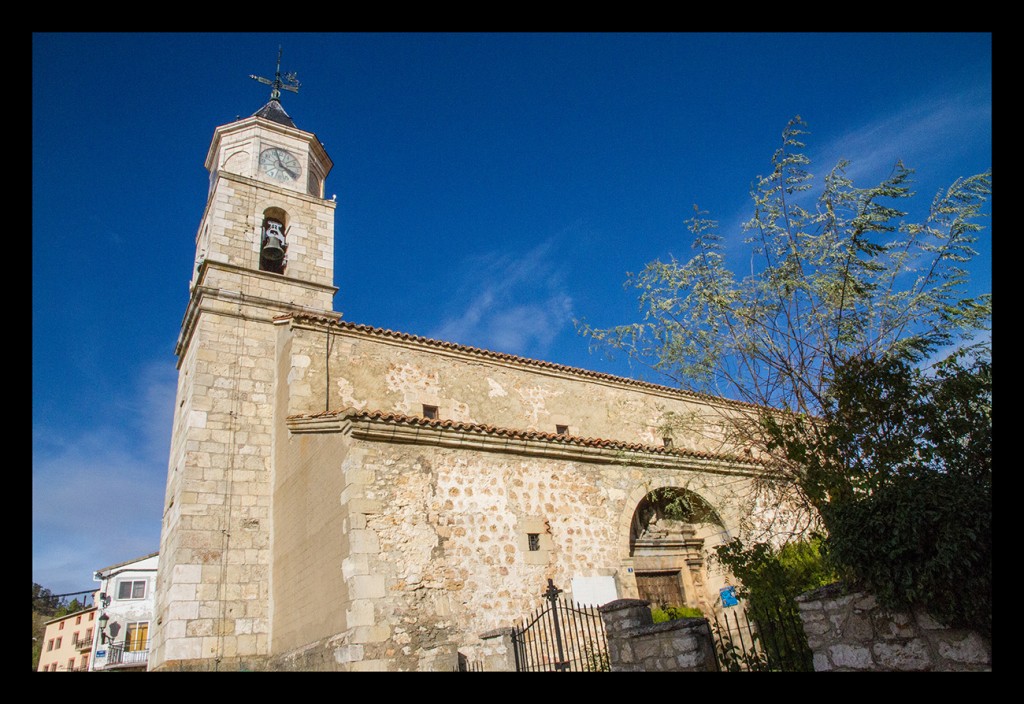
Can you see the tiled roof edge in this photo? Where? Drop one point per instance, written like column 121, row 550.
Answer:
column 512, row 433
column 127, row 562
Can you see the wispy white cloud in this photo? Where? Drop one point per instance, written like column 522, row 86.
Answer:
column 515, row 304
column 931, row 134
column 97, row 495
column 936, row 128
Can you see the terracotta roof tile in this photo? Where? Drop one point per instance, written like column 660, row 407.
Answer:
column 512, row 433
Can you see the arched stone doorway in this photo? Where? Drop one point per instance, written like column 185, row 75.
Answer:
column 667, row 547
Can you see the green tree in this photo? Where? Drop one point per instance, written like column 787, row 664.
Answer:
column 43, row 600
column 44, row 607
column 828, row 340
column 900, row 467
column 770, row 579
column 836, row 276
column 69, row 607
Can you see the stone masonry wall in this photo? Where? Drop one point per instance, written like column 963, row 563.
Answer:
column 215, row 552
column 851, row 632
column 309, row 545
column 433, row 538
column 230, row 232
column 380, row 372
column 434, row 546
column 213, row 584
column 636, row 644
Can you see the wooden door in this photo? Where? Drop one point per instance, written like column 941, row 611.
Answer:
column 661, row 588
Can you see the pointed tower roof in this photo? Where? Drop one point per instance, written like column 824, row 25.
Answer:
column 272, row 110
column 275, row 113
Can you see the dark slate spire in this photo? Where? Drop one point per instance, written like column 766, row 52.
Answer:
column 273, row 111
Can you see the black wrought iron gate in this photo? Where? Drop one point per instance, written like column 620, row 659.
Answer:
column 562, row 637
column 765, row 640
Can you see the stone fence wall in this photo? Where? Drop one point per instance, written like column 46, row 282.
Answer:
column 851, row 632
column 637, row 644
column 847, row 632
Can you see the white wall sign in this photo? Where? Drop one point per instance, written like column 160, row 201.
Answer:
column 594, row 591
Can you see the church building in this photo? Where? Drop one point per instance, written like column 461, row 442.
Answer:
column 344, row 497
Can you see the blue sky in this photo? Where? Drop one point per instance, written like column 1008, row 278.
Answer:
column 491, row 188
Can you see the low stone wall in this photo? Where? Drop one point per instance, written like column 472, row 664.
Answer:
column 497, row 654
column 851, row 632
column 637, row 644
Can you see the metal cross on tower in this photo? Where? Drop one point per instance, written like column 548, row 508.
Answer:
column 276, row 84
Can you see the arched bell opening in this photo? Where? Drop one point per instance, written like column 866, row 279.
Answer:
column 667, row 547
column 274, row 241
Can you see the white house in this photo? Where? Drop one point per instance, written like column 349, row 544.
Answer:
column 126, row 606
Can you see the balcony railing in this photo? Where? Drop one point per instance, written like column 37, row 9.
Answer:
column 117, row 656
column 83, row 643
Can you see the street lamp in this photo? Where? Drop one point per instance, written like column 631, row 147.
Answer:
column 104, row 620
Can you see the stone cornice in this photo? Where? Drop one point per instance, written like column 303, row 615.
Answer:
column 202, row 295
column 267, row 275
column 249, row 181
column 379, row 426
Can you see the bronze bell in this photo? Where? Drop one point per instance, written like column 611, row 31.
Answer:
column 273, row 248
column 273, row 241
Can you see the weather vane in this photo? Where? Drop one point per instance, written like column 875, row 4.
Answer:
column 276, row 84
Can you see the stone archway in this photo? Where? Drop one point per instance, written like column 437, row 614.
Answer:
column 667, row 534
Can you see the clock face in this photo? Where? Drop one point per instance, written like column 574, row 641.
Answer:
column 279, row 164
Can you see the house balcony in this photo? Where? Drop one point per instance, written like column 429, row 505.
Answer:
column 118, row 657
column 83, row 644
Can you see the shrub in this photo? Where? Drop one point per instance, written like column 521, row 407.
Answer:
column 900, row 467
column 672, row 613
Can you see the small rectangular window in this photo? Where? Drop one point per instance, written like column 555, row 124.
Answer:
column 562, row 429
column 71, row 664
column 57, row 645
column 49, row 646
column 78, row 620
column 60, row 626
column 131, row 589
column 92, row 615
column 533, row 540
column 429, row 412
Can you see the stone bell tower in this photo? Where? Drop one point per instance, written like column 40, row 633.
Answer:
column 264, row 248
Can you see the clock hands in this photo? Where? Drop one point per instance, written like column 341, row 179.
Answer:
column 280, row 165
column 283, row 167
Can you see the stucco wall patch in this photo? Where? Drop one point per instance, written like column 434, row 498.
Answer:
column 346, row 390
column 496, row 389
column 535, row 400
column 415, row 385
